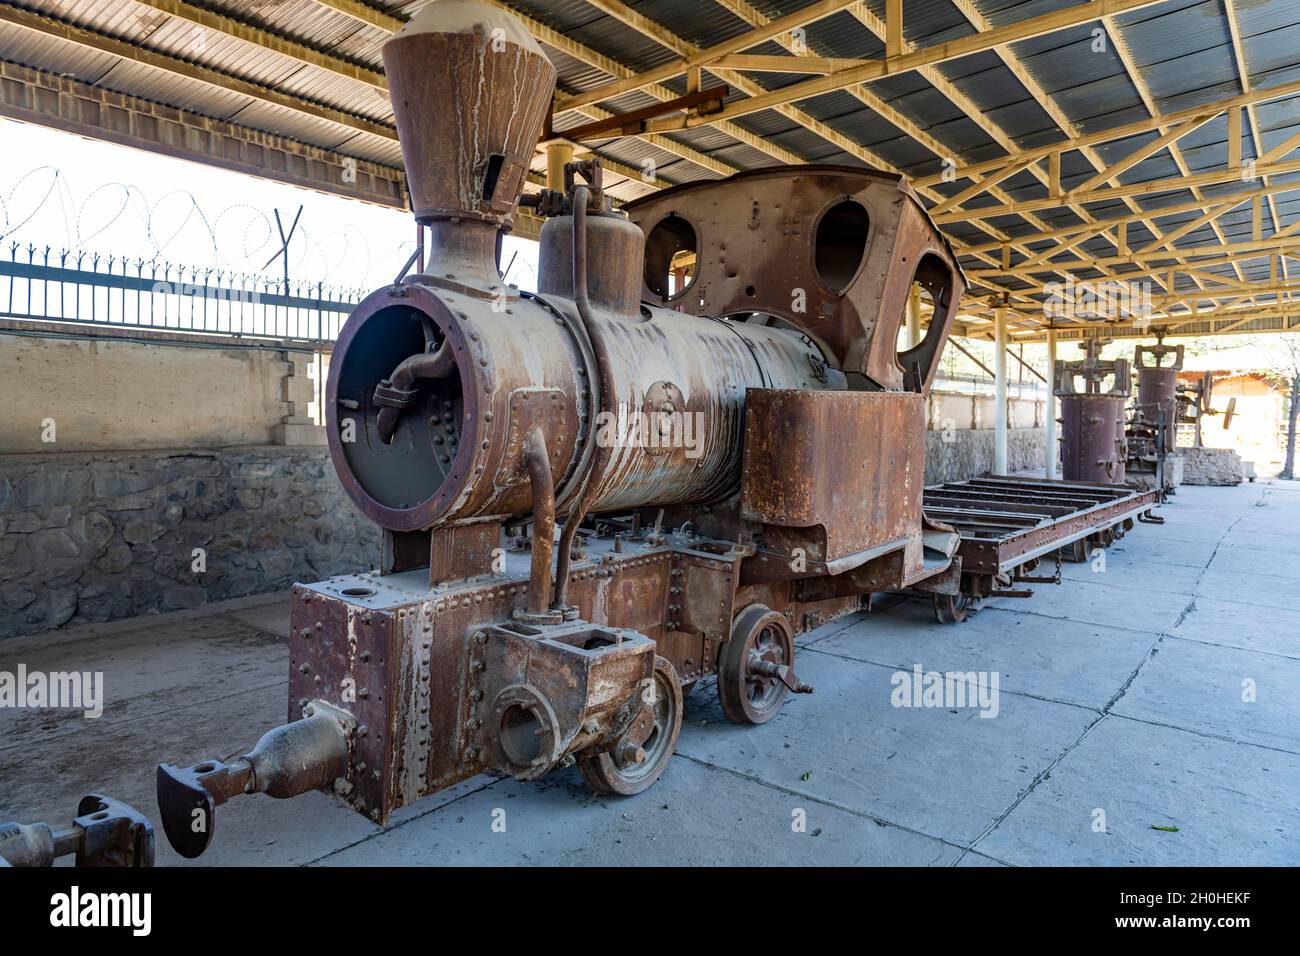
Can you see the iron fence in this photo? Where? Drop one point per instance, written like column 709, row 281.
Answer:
column 88, row 288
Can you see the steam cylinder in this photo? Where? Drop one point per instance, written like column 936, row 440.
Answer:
column 1157, row 388
column 1092, row 438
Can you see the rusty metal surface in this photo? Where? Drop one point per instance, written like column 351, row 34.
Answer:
column 524, row 367
column 1093, row 393
column 1005, row 522
column 865, row 499
column 1157, row 376
column 471, row 90
column 513, row 370
column 105, row 833
column 761, row 248
column 1093, row 447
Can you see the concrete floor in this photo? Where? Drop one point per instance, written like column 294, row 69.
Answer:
column 1121, row 693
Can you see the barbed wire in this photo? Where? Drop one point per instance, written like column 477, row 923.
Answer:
column 238, row 238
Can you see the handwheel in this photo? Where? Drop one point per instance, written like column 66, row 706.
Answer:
column 759, row 637
column 644, row 753
column 951, row 608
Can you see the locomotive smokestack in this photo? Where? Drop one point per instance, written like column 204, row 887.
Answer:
column 470, row 90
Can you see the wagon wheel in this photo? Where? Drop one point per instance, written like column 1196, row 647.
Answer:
column 951, row 608
column 759, row 637
column 643, row 754
column 1076, row 551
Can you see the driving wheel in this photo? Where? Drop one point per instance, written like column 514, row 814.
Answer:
column 640, row 757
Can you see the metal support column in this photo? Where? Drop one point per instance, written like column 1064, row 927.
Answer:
column 1050, row 423
column 558, row 155
column 1000, row 391
column 914, row 316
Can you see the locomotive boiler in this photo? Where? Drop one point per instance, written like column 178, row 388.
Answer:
column 700, row 437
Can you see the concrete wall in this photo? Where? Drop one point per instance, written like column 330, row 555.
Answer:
column 98, row 536
column 976, row 409
column 68, row 390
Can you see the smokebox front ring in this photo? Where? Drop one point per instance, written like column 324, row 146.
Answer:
column 410, row 483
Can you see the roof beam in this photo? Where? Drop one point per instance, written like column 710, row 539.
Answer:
column 891, row 66
column 1058, row 116
column 1228, row 252
column 893, row 28
column 1210, row 215
column 1139, row 83
column 567, row 45
column 980, row 186
column 256, row 36
column 364, row 13
column 1150, row 187
column 752, row 63
column 880, row 29
column 1116, row 169
column 1243, row 76
column 1117, row 132
column 1158, row 212
column 1277, row 322
column 791, row 21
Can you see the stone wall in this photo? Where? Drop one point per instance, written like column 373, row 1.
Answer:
column 94, row 537
column 1211, row 466
column 959, row 454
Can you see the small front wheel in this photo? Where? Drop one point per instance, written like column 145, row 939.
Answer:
column 640, row 758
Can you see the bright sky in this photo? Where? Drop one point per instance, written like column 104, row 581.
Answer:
column 69, row 192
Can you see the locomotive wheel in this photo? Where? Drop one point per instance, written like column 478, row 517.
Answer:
column 633, row 767
column 758, row 634
column 951, row 608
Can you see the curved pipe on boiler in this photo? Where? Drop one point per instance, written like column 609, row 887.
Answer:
column 600, row 461
column 424, row 365
column 539, row 475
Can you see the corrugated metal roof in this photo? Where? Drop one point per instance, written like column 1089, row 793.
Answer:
column 1182, row 55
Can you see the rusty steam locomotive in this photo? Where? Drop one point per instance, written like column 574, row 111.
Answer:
column 594, row 496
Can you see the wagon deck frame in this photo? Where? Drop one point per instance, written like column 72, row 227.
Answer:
column 1005, row 522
